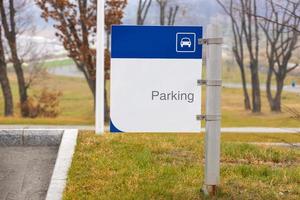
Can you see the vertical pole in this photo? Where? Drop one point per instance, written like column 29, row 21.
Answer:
column 213, row 112
column 99, row 118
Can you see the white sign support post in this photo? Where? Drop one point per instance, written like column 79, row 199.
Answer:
column 99, row 101
column 213, row 109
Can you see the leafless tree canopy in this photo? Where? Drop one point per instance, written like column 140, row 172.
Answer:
column 170, row 17
column 142, row 11
column 4, row 81
column 279, row 26
column 277, row 22
column 9, row 11
column 245, row 29
column 282, row 7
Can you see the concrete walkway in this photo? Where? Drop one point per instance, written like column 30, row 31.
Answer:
column 24, row 173
column 224, row 130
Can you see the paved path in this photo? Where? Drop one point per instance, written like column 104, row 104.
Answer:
column 287, row 88
column 224, row 130
column 24, row 173
column 259, row 130
column 278, row 144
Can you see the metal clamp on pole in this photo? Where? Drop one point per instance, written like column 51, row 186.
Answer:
column 201, row 82
column 208, row 117
column 208, row 41
column 200, row 117
column 209, row 82
column 213, row 117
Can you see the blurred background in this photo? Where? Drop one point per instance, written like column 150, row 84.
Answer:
column 48, row 63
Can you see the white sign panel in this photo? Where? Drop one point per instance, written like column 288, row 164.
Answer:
column 154, row 73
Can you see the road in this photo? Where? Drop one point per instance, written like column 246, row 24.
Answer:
column 223, row 130
column 287, row 88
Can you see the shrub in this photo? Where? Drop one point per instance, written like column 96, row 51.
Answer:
column 44, row 105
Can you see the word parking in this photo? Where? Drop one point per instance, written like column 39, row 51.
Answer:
column 173, row 96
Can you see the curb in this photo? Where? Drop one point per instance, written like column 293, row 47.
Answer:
column 240, row 130
column 35, row 137
column 278, row 144
column 62, row 165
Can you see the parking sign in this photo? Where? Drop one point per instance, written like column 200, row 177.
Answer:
column 154, row 73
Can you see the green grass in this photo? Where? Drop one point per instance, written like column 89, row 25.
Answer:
column 76, row 104
column 261, row 137
column 231, row 74
column 234, row 115
column 58, row 63
column 170, row 166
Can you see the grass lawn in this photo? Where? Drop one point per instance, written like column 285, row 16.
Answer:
column 170, row 166
column 58, row 63
column 234, row 115
column 231, row 74
column 77, row 106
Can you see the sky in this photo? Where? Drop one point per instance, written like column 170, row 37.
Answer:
column 191, row 12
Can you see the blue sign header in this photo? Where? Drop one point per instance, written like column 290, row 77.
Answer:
column 164, row 42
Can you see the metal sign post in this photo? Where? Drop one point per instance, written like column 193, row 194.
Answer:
column 213, row 109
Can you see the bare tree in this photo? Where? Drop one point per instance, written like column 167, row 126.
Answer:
column 8, row 18
column 246, row 29
column 142, row 11
column 283, row 9
column 251, row 32
column 238, row 45
column 170, row 18
column 281, row 42
column 4, row 81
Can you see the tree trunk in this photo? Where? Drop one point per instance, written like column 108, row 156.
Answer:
column 7, row 95
column 268, row 88
column 139, row 14
column 247, row 103
column 22, row 88
column 4, row 81
column 256, row 101
column 10, row 33
column 108, row 40
column 92, row 85
column 275, row 103
column 162, row 13
column 276, row 106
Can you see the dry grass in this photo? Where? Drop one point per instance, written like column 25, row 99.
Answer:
column 170, row 166
column 77, row 106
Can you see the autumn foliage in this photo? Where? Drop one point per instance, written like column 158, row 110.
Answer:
column 44, row 105
column 75, row 24
column 76, row 27
column 114, row 13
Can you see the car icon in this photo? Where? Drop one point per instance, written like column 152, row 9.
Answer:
column 185, row 42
